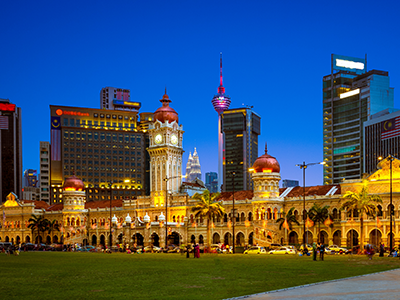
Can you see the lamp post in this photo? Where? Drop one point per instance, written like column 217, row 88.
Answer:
column 391, row 158
column 233, row 173
column 110, row 186
column 166, row 179
column 304, row 167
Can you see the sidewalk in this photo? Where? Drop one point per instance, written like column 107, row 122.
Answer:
column 383, row 285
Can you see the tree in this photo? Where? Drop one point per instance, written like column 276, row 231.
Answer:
column 52, row 225
column 39, row 223
column 318, row 214
column 286, row 221
column 362, row 202
column 208, row 208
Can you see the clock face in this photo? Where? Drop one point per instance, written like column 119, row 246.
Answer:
column 174, row 139
column 158, row 139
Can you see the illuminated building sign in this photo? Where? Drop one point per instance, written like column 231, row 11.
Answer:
column 7, row 107
column 127, row 103
column 347, row 63
column 350, row 93
column 60, row 112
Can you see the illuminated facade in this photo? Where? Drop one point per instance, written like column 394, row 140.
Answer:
column 193, row 168
column 44, row 176
column 212, row 182
column 350, row 96
column 117, row 99
column 99, row 146
column 141, row 221
column 241, row 128
column 10, row 149
column 30, row 178
column 220, row 102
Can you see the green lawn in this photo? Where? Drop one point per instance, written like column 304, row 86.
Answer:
column 68, row 275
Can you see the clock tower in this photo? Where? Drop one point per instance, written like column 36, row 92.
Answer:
column 165, row 152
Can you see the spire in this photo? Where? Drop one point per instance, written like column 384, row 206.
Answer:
column 221, row 89
column 266, row 149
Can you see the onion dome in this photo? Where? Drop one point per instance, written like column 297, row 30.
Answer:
column 161, row 218
column 166, row 113
column 146, row 218
column 73, row 183
column 128, row 219
column 114, row 220
column 266, row 163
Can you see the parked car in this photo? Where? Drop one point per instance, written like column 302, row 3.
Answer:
column 5, row 245
column 28, row 247
column 275, row 246
column 87, row 248
column 40, row 247
column 308, row 246
column 152, row 249
column 282, row 250
column 291, row 247
column 57, row 247
column 256, row 250
column 172, row 249
column 335, row 249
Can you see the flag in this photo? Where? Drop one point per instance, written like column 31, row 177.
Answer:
column 378, row 223
column 309, row 222
column 4, row 122
column 390, row 128
column 286, row 225
column 328, row 222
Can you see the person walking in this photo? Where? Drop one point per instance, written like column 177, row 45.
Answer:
column 314, row 251
column 381, row 250
column 321, row 251
column 197, row 251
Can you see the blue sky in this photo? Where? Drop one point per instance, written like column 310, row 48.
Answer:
column 275, row 55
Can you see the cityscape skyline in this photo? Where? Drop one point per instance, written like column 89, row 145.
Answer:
column 50, row 60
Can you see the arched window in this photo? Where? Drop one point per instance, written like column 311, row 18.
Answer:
column 269, row 214
column 335, row 214
column 250, row 216
column 225, row 218
column 296, row 214
column 275, row 213
column 242, row 217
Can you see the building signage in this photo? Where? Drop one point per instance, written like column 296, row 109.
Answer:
column 7, row 107
column 61, row 112
column 350, row 93
column 348, row 63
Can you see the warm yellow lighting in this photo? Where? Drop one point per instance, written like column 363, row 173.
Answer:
column 251, row 170
column 380, row 158
column 348, row 94
column 267, row 170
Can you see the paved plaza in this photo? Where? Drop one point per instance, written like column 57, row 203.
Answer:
column 383, row 285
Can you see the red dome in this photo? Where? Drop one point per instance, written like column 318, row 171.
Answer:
column 266, row 163
column 73, row 182
column 166, row 113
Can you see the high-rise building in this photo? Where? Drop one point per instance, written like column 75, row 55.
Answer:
column 221, row 103
column 382, row 138
column 241, row 128
column 193, row 168
column 350, row 96
column 117, row 99
column 30, row 178
column 10, row 149
column 44, row 176
column 212, row 182
column 286, row 183
column 102, row 147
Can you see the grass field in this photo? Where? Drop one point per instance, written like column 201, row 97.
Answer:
column 66, row 275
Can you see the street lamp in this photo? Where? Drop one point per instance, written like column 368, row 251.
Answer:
column 166, row 179
column 391, row 158
column 304, row 167
column 233, row 173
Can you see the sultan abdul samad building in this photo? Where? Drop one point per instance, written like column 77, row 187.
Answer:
column 146, row 219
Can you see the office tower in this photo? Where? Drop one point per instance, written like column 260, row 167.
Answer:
column 10, row 149
column 212, row 182
column 44, row 176
column 117, row 99
column 100, row 147
column 350, row 96
column 289, row 183
column 241, row 128
column 30, row 178
column 193, row 168
column 221, row 103
column 382, row 138
column 31, row 193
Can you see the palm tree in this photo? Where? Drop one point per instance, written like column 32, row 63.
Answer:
column 361, row 202
column 318, row 214
column 52, row 225
column 208, row 208
column 286, row 221
column 38, row 223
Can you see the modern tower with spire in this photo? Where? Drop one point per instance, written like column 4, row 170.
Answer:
column 221, row 103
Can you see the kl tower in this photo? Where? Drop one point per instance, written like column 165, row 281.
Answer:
column 221, row 103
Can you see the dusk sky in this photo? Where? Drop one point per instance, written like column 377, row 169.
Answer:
column 275, row 54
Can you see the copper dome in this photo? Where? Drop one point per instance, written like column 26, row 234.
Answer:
column 266, row 163
column 166, row 113
column 74, row 182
